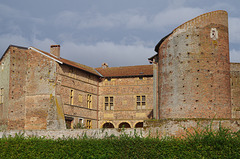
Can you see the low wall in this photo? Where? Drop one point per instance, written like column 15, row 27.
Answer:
column 158, row 128
column 179, row 127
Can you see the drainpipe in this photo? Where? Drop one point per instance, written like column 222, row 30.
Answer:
column 97, row 101
column 154, row 90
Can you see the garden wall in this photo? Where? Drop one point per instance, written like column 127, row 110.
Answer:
column 159, row 128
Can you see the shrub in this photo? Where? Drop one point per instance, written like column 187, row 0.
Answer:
column 200, row 144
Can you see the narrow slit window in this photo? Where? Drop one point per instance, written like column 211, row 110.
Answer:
column 89, row 101
column 71, row 97
column 1, row 95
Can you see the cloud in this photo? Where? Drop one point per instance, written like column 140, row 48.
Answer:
column 43, row 44
column 9, row 39
column 114, row 54
column 175, row 16
column 10, row 14
column 12, row 39
column 235, row 55
column 128, row 19
column 234, row 31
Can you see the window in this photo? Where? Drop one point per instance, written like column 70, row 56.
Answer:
column 69, row 122
column 89, row 124
column 89, row 101
column 108, row 103
column 1, row 95
column 141, row 102
column 71, row 97
column 80, row 120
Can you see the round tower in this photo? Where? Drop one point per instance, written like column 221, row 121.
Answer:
column 194, row 69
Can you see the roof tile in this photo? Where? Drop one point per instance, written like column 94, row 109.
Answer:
column 126, row 71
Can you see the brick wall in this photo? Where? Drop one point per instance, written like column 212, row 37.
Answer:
column 194, row 69
column 235, row 89
column 124, row 92
column 4, row 84
column 82, row 84
column 40, row 86
column 17, row 88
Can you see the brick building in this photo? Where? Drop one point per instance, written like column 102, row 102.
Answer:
column 41, row 90
column 194, row 71
column 190, row 77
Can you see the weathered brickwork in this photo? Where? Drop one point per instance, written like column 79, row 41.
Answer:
column 124, row 92
column 16, row 101
column 235, row 89
column 31, row 82
column 80, row 85
column 194, row 69
column 41, row 77
column 4, row 86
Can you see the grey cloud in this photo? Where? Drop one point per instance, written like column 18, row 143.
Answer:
column 234, row 31
column 128, row 19
column 92, row 32
column 177, row 16
column 12, row 39
column 8, row 39
column 113, row 54
column 235, row 55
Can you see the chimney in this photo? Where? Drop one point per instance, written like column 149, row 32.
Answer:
column 104, row 65
column 55, row 50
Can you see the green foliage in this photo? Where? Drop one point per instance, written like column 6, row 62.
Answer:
column 200, row 144
column 79, row 126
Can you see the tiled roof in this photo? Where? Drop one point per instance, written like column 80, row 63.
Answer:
column 126, row 71
column 71, row 63
column 80, row 66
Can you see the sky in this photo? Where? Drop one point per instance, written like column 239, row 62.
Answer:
column 118, row 32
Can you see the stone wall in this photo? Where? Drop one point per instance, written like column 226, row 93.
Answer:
column 162, row 128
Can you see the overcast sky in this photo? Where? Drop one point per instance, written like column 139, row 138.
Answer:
column 118, row 32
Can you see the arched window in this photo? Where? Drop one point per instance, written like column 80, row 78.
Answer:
column 124, row 125
column 139, row 125
column 108, row 125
